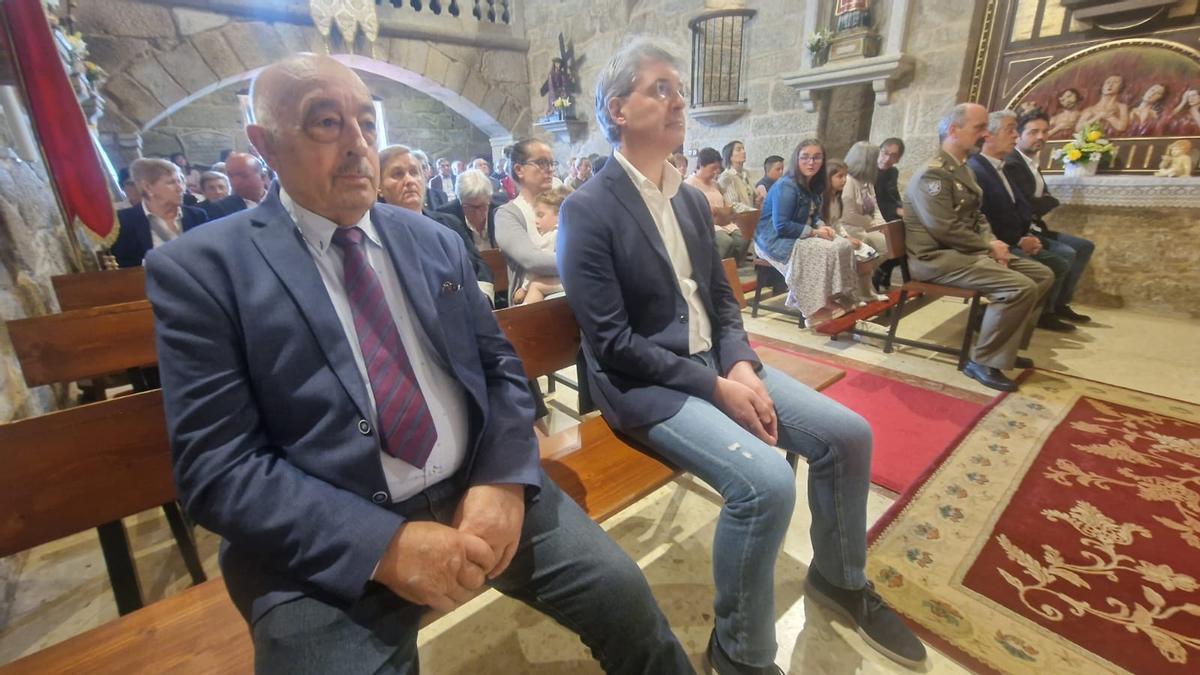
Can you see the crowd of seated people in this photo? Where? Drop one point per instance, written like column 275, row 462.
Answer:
column 442, row 465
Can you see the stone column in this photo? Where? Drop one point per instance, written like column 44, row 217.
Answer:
column 130, row 147
column 499, row 143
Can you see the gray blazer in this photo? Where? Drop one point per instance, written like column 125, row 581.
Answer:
column 524, row 258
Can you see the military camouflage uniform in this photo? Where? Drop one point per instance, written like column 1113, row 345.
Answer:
column 948, row 241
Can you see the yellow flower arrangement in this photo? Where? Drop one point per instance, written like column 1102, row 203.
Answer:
column 1089, row 145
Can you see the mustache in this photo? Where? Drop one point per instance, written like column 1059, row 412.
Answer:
column 355, row 166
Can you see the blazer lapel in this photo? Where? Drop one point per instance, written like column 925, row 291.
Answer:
column 628, row 196
column 690, row 223
column 281, row 244
column 399, row 242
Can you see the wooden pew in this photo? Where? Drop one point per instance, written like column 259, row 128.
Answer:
column 735, row 283
column 199, row 631
column 93, row 289
column 495, row 260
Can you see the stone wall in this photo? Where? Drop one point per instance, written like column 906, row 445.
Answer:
column 213, row 123
column 775, row 38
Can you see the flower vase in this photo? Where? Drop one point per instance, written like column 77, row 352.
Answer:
column 1076, row 169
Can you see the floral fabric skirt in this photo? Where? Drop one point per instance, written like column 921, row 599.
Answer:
column 818, row 273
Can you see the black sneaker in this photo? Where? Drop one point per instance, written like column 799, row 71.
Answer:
column 1052, row 322
column 879, row 625
column 1065, row 312
column 717, row 661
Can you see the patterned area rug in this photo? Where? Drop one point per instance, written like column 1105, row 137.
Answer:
column 1062, row 535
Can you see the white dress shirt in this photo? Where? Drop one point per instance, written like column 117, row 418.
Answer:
column 160, row 231
column 999, row 164
column 1039, row 183
column 444, row 394
column 658, row 202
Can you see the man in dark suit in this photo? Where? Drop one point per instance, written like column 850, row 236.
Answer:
column 346, row 413
column 443, row 181
column 670, row 365
column 159, row 217
column 402, row 183
column 248, row 178
column 1009, row 214
column 1021, row 168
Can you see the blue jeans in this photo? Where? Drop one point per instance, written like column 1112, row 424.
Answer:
column 1078, row 253
column 759, row 490
column 566, row 567
column 1059, row 265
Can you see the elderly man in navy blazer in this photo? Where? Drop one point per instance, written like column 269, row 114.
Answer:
column 671, row 366
column 346, row 414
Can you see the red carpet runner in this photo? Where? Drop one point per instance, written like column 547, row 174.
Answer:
column 913, row 425
column 1061, row 536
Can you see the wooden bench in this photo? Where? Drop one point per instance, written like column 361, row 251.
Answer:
column 893, row 232
column 495, row 261
column 199, row 630
column 93, row 289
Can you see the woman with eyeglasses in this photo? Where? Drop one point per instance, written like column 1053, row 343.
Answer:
column 816, row 263
column 533, row 168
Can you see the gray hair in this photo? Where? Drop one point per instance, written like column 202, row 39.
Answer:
column 422, row 158
column 996, row 119
column 617, row 78
column 955, row 118
column 862, row 161
column 212, row 175
column 472, row 184
column 147, row 170
column 394, row 152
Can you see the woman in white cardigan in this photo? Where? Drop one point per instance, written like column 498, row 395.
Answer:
column 860, row 211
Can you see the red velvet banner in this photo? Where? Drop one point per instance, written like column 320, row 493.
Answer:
column 57, row 118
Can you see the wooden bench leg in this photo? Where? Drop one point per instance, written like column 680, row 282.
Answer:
column 897, row 312
column 969, row 333
column 185, row 539
column 118, row 558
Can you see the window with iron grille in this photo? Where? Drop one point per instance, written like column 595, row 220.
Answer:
column 717, row 57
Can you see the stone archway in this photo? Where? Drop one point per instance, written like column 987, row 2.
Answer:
column 156, row 67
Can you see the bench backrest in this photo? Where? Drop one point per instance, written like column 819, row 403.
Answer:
column 544, row 334
column 893, row 232
column 93, row 289
column 747, row 223
column 68, row 471
column 84, row 343
column 495, row 260
column 735, row 283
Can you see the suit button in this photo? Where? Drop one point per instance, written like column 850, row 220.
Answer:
column 379, row 497
column 683, row 318
column 364, row 427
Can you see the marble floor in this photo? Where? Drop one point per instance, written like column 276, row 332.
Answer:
column 54, row 591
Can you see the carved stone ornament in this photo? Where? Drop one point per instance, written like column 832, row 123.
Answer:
column 348, row 15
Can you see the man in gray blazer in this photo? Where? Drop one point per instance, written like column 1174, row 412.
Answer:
column 345, row 412
column 950, row 242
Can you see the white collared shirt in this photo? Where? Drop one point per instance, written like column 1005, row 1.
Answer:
column 160, row 231
column 999, row 164
column 658, row 202
column 444, row 394
column 1039, row 182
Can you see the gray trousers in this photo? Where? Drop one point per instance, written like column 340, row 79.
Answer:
column 1015, row 293
column 731, row 245
column 565, row 567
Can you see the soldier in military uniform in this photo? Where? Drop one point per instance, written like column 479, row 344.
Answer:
column 950, row 242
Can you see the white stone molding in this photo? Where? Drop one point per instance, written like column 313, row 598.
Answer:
column 1127, row 191
column 566, row 131
column 881, row 71
column 718, row 115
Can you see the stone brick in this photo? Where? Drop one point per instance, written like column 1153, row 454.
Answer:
column 191, row 21
column 112, row 53
column 217, row 53
column 436, row 65
column 475, row 88
column 133, row 101
column 306, row 39
column 456, row 76
column 505, row 66
column 493, row 101
column 198, row 115
column 123, row 19
column 155, row 79
column 413, row 56
column 256, row 43
column 187, row 68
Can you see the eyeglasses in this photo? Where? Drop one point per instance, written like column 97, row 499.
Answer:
column 543, row 164
column 810, row 158
column 665, row 89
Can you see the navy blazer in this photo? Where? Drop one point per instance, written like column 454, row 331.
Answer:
column 1009, row 217
column 1022, row 179
column 455, row 209
column 483, row 272
column 267, row 412
column 622, row 289
column 134, row 239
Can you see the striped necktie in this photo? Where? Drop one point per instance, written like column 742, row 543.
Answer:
column 406, row 427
